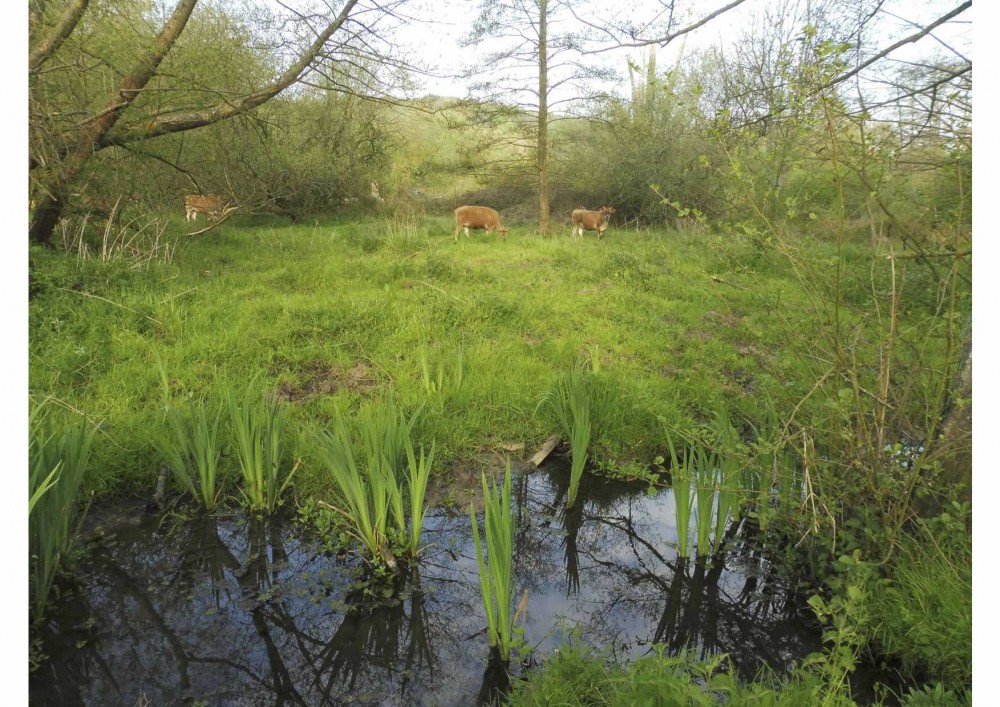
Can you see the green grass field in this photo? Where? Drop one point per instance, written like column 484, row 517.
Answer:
column 476, row 331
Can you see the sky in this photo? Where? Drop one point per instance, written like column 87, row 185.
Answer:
column 435, row 39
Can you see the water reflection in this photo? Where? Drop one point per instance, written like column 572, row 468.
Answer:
column 230, row 610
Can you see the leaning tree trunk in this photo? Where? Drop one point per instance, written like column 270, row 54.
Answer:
column 80, row 148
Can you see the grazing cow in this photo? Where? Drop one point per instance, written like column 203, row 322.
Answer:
column 591, row 220
column 210, row 204
column 478, row 217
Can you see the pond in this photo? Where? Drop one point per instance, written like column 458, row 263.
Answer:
column 236, row 610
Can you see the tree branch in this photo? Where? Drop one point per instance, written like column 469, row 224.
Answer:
column 229, row 109
column 906, row 40
column 663, row 41
column 63, row 29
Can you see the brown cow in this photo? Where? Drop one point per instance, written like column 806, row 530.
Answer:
column 478, row 217
column 591, row 220
column 210, row 204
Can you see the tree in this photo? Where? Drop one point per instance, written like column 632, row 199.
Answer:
column 556, row 40
column 113, row 76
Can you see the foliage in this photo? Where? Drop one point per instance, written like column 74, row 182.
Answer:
column 575, row 676
column 57, row 461
column 569, row 399
column 922, row 613
column 373, row 494
column 496, row 576
column 258, row 422
column 191, row 447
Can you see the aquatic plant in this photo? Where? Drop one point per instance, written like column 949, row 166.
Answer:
column 192, row 451
column 496, row 576
column 705, row 485
column 731, row 482
column 365, row 495
column 373, row 494
column 56, row 465
column 681, row 479
column 258, row 422
column 570, row 400
column 419, row 471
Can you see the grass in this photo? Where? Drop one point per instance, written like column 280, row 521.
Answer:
column 57, row 464
column 191, row 448
column 575, row 677
column 496, row 575
column 258, row 422
column 570, row 401
column 519, row 310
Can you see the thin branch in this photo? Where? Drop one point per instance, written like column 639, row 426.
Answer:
column 663, row 41
column 63, row 29
column 907, row 40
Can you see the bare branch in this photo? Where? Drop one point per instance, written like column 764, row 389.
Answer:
column 907, row 40
column 63, row 29
column 663, row 41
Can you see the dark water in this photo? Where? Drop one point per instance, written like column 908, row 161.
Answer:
column 236, row 611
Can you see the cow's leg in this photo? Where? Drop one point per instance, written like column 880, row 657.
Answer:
column 466, row 231
column 458, row 227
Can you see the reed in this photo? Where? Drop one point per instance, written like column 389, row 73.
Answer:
column 681, row 479
column 570, row 400
column 419, row 471
column 57, row 463
column 258, row 423
column 192, row 451
column 373, row 494
column 496, row 577
column 706, row 485
column 365, row 496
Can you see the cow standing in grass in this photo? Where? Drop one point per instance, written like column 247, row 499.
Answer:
column 584, row 220
column 475, row 217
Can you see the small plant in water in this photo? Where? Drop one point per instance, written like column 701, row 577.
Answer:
column 258, row 422
column 56, row 466
column 680, row 481
column 192, row 451
column 496, row 576
column 569, row 399
column 706, row 484
column 373, row 495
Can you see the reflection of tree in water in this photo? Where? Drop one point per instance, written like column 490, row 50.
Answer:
column 370, row 637
column 241, row 610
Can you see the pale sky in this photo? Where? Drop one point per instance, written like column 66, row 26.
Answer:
column 436, row 41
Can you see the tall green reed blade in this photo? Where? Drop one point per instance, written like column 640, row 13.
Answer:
column 258, row 424
column 495, row 578
column 730, row 490
column 385, row 432
column 336, row 453
column 705, row 488
column 570, row 400
column 192, row 452
column 419, row 471
column 57, row 463
column 680, row 482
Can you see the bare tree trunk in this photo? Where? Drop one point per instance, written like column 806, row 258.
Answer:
column 543, row 119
